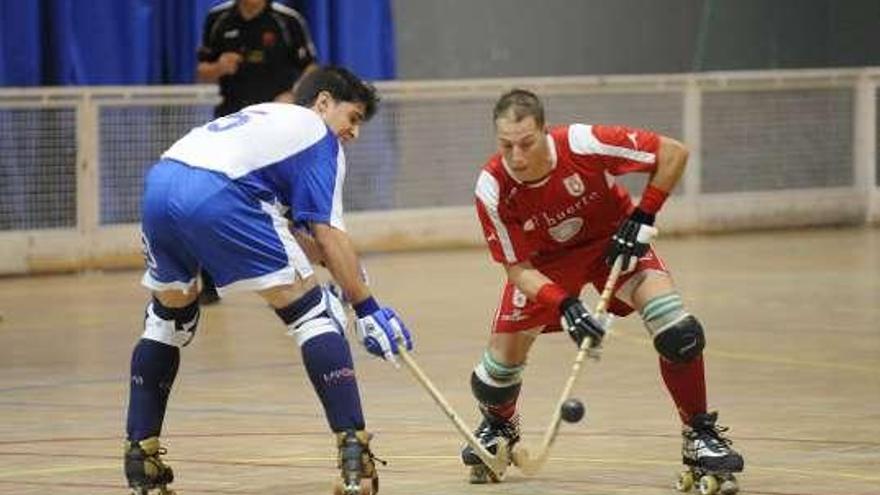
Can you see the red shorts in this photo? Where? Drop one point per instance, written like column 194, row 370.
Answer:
column 572, row 270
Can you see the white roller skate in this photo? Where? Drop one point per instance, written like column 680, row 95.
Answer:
column 144, row 468
column 488, row 434
column 357, row 465
column 708, row 457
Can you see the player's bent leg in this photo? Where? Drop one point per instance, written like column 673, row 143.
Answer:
column 496, row 382
column 679, row 340
column 327, row 357
column 315, row 322
column 170, row 322
column 678, row 336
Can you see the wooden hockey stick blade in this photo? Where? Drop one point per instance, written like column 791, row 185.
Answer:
column 497, row 463
column 521, row 459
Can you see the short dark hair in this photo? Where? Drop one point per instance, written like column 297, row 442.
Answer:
column 342, row 85
column 521, row 103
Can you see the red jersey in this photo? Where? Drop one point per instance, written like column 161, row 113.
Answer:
column 578, row 203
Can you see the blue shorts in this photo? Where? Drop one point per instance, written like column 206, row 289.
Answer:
column 195, row 218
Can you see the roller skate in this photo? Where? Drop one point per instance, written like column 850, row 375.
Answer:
column 709, row 459
column 490, row 431
column 144, row 467
column 357, row 464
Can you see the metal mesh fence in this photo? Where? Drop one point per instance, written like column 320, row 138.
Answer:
column 37, row 168
column 420, row 154
column 428, row 153
column 131, row 139
column 788, row 135
column 771, row 140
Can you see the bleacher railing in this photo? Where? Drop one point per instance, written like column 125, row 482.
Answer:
column 769, row 149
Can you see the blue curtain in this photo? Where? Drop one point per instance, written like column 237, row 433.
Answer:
column 72, row 42
column 20, row 44
column 358, row 34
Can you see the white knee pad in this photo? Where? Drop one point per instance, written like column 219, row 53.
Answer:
column 173, row 332
column 335, row 307
column 326, row 315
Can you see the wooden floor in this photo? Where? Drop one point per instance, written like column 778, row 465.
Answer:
column 793, row 367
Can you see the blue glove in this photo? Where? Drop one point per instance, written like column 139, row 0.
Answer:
column 380, row 330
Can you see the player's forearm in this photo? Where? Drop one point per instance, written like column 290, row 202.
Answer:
column 341, row 260
column 527, row 279
column 671, row 161
column 208, row 72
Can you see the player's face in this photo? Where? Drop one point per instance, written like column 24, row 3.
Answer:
column 523, row 145
column 343, row 117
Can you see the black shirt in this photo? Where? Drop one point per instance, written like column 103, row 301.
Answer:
column 275, row 47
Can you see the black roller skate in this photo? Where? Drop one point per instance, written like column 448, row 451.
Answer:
column 490, row 431
column 709, row 458
column 357, row 464
column 144, row 467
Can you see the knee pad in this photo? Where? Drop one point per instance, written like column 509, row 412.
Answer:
column 681, row 341
column 678, row 336
column 310, row 316
column 172, row 326
column 494, row 383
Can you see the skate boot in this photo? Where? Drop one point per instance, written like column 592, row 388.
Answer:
column 488, row 434
column 709, row 459
column 144, row 467
column 357, row 464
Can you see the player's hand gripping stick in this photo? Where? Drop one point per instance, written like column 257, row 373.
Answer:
column 632, row 239
column 383, row 334
column 581, row 325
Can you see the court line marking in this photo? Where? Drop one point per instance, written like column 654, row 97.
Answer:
column 291, row 460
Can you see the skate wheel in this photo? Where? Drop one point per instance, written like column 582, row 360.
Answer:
column 729, row 486
column 480, row 474
column 685, row 481
column 146, row 491
column 708, row 485
column 364, row 488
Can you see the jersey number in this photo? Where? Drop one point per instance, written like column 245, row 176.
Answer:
column 233, row 120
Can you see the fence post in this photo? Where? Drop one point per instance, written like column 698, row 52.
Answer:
column 88, row 190
column 692, row 129
column 865, row 143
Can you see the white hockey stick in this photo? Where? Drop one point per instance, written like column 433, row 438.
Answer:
column 531, row 465
column 496, row 463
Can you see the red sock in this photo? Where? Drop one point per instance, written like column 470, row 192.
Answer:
column 687, row 386
column 503, row 411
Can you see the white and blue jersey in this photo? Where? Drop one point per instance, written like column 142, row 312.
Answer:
column 221, row 196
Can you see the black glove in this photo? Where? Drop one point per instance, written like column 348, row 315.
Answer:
column 580, row 323
column 631, row 240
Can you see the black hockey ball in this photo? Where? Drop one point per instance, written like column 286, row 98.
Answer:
column 572, row 410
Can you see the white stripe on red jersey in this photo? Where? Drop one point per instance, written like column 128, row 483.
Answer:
column 584, row 142
column 487, row 194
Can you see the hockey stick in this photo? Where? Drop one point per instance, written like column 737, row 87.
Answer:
column 496, row 463
column 531, row 465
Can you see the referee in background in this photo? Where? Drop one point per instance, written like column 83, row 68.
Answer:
column 256, row 50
